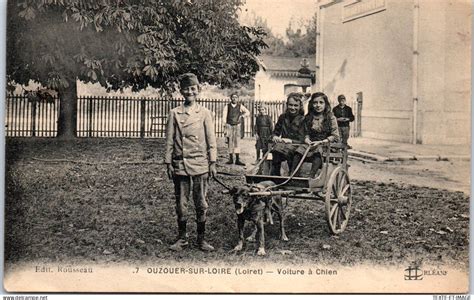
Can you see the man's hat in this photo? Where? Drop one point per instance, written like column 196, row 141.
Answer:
column 188, row 79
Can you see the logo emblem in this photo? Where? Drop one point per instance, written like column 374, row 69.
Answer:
column 413, row 273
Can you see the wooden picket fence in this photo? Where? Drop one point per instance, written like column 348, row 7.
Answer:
column 129, row 117
column 147, row 117
column 25, row 118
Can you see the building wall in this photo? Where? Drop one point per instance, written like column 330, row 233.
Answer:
column 272, row 88
column 374, row 55
column 444, row 72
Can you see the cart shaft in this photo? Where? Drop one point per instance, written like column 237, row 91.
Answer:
column 271, row 193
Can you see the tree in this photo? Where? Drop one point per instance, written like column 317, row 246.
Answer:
column 276, row 45
column 127, row 43
column 300, row 36
column 302, row 44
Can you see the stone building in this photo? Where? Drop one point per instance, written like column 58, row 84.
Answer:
column 407, row 63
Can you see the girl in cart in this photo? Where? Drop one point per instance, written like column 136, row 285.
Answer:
column 320, row 125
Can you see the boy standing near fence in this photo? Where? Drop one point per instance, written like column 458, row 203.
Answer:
column 344, row 116
column 233, row 115
column 191, row 153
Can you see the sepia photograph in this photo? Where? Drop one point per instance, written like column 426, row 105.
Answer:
column 237, row 146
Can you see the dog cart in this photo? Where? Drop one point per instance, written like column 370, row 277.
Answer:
column 331, row 185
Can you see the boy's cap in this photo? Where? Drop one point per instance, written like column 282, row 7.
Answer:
column 188, row 79
column 341, row 97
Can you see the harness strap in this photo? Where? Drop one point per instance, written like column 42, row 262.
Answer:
column 264, row 157
column 295, row 171
column 221, row 183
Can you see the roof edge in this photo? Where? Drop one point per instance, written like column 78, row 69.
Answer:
column 261, row 63
column 327, row 3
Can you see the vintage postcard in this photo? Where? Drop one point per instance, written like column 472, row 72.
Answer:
column 276, row 146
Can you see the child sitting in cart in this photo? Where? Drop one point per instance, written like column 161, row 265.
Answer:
column 288, row 133
column 263, row 130
column 320, row 125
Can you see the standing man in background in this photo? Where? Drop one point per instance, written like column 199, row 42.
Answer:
column 344, row 116
column 233, row 114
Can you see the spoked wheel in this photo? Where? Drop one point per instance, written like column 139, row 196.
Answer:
column 338, row 200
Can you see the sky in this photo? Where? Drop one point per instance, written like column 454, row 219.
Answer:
column 278, row 13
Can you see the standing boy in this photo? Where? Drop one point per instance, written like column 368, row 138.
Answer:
column 191, row 153
column 344, row 116
column 233, row 114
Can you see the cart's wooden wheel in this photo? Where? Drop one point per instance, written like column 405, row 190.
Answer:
column 338, row 200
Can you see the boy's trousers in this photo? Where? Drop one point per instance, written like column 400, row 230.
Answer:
column 344, row 134
column 184, row 187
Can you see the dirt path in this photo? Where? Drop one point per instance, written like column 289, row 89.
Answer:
column 453, row 176
column 109, row 210
column 450, row 175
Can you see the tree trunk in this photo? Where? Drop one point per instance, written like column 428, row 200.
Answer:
column 67, row 122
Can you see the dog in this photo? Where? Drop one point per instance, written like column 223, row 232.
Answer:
column 257, row 209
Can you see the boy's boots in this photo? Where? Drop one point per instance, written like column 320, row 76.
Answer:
column 181, row 242
column 202, row 244
column 231, row 159
column 237, row 160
